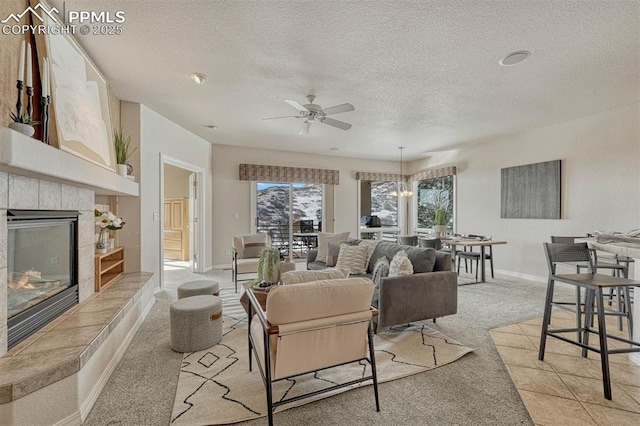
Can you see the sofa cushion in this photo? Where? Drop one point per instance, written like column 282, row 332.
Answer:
column 298, row 277
column 353, row 258
column 323, row 243
column 422, row 259
column 316, row 266
column 332, row 254
column 371, row 246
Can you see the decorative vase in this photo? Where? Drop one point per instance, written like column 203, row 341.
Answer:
column 440, row 231
column 103, row 241
column 25, row 129
column 122, row 169
column 269, row 266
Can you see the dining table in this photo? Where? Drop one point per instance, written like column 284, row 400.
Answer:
column 472, row 242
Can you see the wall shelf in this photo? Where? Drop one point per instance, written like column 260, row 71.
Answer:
column 26, row 156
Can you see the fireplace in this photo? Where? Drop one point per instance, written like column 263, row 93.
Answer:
column 42, row 278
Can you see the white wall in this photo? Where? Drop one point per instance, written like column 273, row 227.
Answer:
column 231, row 195
column 600, row 183
column 157, row 135
column 176, row 182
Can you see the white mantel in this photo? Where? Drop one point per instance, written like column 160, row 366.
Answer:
column 26, row 156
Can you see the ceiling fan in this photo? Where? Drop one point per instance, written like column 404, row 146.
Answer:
column 312, row 112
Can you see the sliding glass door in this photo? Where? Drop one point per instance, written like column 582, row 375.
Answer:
column 288, row 211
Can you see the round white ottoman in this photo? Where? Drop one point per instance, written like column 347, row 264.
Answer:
column 198, row 287
column 196, row 323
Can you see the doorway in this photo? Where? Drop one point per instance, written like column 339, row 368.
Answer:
column 181, row 213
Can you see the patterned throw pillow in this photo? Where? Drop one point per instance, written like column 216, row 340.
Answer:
column 251, row 246
column 400, row 265
column 323, row 243
column 371, row 246
column 353, row 258
column 380, row 270
column 332, row 254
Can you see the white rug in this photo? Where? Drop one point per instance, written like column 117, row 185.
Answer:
column 216, row 387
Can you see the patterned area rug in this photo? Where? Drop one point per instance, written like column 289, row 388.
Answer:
column 216, row 387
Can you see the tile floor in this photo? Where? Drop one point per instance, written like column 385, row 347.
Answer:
column 566, row 389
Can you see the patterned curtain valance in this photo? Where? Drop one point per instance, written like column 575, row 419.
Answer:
column 259, row 172
column 433, row 173
column 381, row 177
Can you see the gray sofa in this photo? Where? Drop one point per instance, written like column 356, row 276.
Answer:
column 431, row 292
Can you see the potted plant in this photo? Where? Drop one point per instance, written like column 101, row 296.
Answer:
column 106, row 221
column 269, row 266
column 440, row 216
column 23, row 123
column 123, row 151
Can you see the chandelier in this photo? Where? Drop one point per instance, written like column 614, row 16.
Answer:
column 403, row 188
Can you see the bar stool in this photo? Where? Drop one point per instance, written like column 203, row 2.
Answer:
column 594, row 284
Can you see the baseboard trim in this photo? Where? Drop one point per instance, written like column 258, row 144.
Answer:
column 86, row 407
column 522, row 276
column 73, row 420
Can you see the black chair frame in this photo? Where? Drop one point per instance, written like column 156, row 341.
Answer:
column 254, row 307
column 593, row 284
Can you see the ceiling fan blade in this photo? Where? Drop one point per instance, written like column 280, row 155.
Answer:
column 304, row 130
column 296, row 105
column 286, row 116
column 338, row 109
column 336, row 123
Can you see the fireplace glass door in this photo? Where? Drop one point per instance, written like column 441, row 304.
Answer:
column 40, row 262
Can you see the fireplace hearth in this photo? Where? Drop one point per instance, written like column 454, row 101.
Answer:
column 42, row 279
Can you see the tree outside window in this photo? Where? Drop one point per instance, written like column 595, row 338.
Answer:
column 433, row 194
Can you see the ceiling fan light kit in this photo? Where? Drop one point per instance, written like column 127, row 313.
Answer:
column 311, row 113
column 403, row 190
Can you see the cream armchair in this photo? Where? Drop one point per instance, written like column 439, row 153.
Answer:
column 241, row 263
column 310, row 327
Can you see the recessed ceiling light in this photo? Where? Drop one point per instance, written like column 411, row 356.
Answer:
column 514, row 58
column 210, row 126
column 335, row 149
column 198, row 78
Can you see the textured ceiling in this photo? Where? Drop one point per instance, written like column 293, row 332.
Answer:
column 421, row 74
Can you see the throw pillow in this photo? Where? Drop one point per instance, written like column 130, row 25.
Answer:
column 323, row 243
column 400, row 265
column 332, row 254
column 380, row 270
column 353, row 258
column 371, row 246
column 252, row 245
column 299, row 277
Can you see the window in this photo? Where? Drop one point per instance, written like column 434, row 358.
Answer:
column 433, row 193
column 280, row 207
column 375, row 200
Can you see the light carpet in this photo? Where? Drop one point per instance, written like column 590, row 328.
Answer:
column 216, row 387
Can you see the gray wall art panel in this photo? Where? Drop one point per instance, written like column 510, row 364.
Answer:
column 531, row 191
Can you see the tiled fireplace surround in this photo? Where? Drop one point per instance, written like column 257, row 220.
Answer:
column 22, row 192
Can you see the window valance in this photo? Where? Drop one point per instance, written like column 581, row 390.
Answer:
column 263, row 173
column 381, row 177
column 433, row 173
